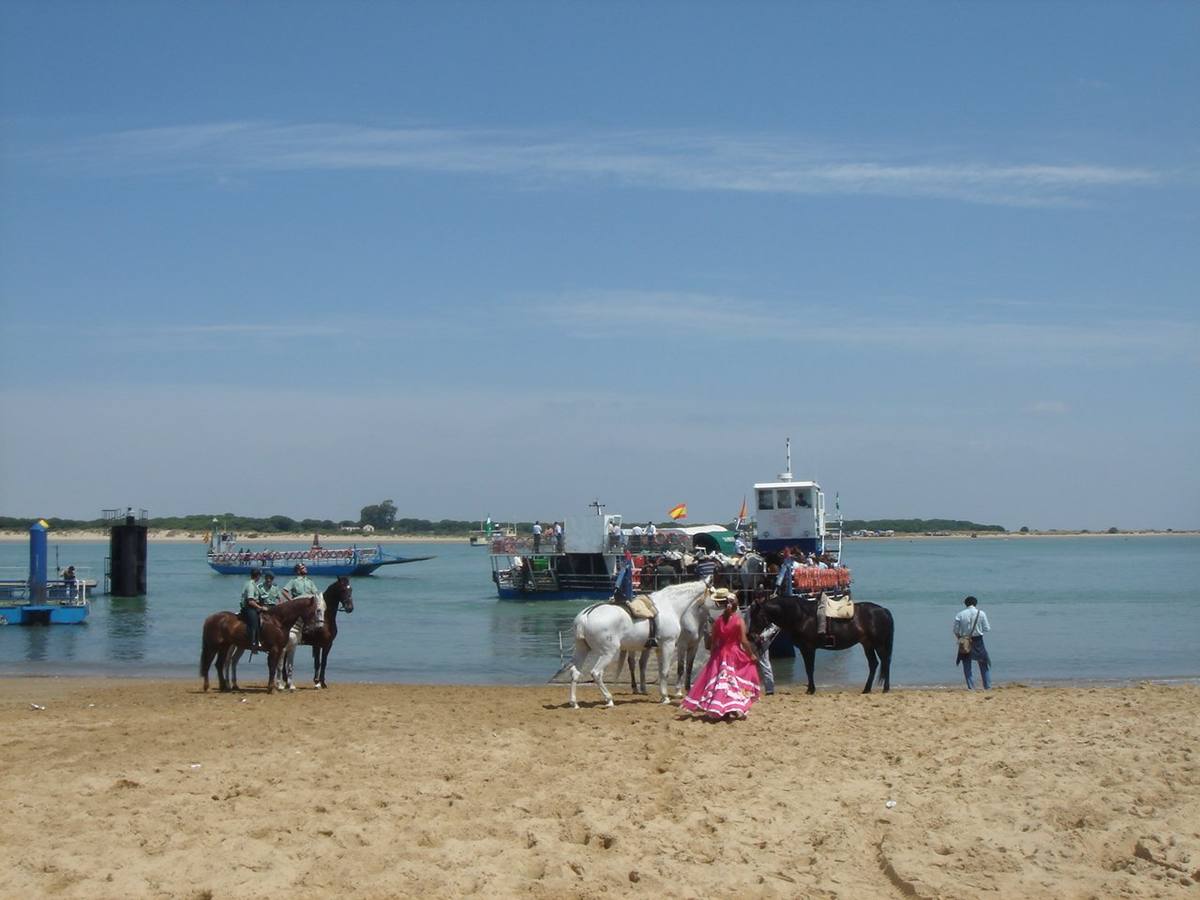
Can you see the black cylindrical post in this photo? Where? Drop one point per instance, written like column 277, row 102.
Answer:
column 127, row 550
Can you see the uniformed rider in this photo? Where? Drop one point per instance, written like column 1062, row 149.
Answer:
column 251, row 607
column 303, row 586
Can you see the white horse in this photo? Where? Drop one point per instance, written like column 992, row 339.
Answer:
column 604, row 630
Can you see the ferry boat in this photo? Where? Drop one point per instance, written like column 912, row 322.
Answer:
column 226, row 558
column 791, row 514
column 586, row 564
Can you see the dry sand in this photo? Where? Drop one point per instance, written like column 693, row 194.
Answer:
column 153, row 789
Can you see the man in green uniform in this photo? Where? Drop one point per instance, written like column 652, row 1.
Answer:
column 268, row 593
column 251, row 607
column 302, row 586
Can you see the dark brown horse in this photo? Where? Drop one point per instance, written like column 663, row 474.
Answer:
column 337, row 596
column 225, row 634
column 872, row 627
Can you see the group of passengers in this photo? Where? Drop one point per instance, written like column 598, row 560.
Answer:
column 259, row 598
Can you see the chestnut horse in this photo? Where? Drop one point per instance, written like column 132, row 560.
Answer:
column 225, row 632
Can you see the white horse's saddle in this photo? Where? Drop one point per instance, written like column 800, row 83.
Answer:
column 641, row 607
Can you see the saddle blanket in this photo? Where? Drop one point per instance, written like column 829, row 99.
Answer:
column 837, row 608
column 642, row 607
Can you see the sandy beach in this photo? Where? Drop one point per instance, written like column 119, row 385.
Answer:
column 154, row 789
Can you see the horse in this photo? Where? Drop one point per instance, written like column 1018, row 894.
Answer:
column 751, row 574
column 225, row 632
column 872, row 627
column 693, row 626
column 604, row 629
column 337, row 596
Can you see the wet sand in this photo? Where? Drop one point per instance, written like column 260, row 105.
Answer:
column 154, row 789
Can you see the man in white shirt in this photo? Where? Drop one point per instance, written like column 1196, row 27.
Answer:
column 969, row 626
column 537, row 536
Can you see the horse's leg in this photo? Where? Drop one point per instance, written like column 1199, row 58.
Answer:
column 272, row 668
column 642, row 660
column 666, row 650
column 810, row 658
column 207, row 653
column 872, row 665
column 316, row 666
column 691, row 663
column 231, row 664
column 577, row 660
column 324, row 663
column 289, row 663
column 603, row 660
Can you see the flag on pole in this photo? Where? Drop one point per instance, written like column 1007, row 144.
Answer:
column 678, row 512
column 487, row 527
column 741, row 519
column 837, row 504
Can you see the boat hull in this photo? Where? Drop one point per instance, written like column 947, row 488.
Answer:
column 44, row 614
column 352, row 564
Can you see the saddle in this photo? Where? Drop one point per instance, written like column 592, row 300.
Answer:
column 837, row 607
column 640, row 607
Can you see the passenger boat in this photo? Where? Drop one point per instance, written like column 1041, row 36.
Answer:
column 586, row 563
column 226, row 558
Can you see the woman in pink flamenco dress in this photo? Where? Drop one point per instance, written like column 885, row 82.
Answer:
column 728, row 683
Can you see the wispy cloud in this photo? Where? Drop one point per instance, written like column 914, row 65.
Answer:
column 667, row 160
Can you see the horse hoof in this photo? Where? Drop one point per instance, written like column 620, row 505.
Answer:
column 608, row 705
column 664, row 701
column 574, row 706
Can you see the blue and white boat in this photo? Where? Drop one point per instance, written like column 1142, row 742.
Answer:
column 38, row 600
column 227, row 558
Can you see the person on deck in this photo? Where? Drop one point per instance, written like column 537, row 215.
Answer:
column 303, row 586
column 784, row 580
column 537, row 537
column 728, row 684
column 651, row 535
column 251, row 607
column 969, row 625
column 706, row 564
column 558, row 536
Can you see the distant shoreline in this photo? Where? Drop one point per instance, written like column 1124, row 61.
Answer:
column 172, row 536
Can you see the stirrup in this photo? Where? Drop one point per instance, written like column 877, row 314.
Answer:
column 830, row 642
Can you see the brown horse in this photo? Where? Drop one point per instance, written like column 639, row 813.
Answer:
column 225, row 634
column 337, row 596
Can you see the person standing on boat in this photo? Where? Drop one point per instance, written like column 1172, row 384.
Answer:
column 251, row 607
column 651, row 534
column 969, row 626
column 537, row 536
column 784, row 580
column 302, row 586
column 558, row 536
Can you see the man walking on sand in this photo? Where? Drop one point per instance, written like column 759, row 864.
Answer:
column 969, row 626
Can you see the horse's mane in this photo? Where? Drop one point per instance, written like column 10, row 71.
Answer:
column 287, row 606
column 689, row 589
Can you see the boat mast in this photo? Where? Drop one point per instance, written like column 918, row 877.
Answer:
column 787, row 476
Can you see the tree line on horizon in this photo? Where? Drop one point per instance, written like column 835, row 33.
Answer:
column 382, row 517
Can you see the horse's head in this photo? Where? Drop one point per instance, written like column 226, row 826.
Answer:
column 341, row 594
column 764, row 613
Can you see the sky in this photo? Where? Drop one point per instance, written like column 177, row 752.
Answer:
column 504, row 258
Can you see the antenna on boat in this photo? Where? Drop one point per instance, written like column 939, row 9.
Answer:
column 787, row 476
column 598, row 506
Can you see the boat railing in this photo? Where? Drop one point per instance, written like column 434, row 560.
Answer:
column 634, row 543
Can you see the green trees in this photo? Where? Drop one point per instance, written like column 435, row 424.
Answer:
column 380, row 515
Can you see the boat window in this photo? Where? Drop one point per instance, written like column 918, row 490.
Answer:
column 766, row 500
column 783, row 498
column 801, row 499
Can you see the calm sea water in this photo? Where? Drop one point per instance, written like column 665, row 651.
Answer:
column 1086, row 608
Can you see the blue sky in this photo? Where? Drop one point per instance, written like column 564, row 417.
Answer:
column 502, row 258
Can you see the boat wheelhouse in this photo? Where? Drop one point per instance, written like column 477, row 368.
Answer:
column 791, row 514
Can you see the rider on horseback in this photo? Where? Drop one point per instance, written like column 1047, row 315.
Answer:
column 623, row 596
column 303, row 586
column 252, row 605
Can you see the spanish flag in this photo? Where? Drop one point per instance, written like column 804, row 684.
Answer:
column 678, row 512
